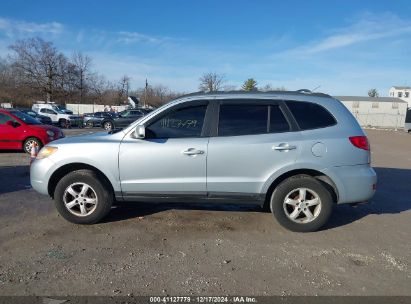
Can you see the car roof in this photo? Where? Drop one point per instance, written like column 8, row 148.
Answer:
column 6, row 110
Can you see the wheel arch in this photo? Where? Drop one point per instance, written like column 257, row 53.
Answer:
column 325, row 179
column 64, row 170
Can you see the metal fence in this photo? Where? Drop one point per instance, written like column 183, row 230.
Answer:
column 381, row 120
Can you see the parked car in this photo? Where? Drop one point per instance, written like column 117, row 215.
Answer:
column 59, row 118
column 122, row 119
column 50, row 105
column 95, row 119
column 18, row 131
column 295, row 153
column 43, row 119
column 407, row 124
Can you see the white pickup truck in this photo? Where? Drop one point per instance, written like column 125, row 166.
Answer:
column 57, row 116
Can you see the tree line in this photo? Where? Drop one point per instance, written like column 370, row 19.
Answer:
column 36, row 70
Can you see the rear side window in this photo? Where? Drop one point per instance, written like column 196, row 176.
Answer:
column 310, row 115
column 278, row 123
column 242, row 120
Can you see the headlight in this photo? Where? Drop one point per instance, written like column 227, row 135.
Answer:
column 50, row 133
column 46, row 152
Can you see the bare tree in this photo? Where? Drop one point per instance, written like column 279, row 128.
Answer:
column 99, row 86
column 211, row 82
column 82, row 64
column 36, row 69
column 38, row 62
column 123, row 88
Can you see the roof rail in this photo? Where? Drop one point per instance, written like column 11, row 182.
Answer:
column 304, row 91
column 240, row 92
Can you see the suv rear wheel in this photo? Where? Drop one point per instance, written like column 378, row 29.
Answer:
column 301, row 204
column 81, row 197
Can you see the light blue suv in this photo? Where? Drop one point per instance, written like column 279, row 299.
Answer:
column 296, row 153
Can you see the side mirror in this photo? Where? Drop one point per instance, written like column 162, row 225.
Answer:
column 12, row 124
column 140, row 132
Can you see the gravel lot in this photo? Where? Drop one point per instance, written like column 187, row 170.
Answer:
column 146, row 249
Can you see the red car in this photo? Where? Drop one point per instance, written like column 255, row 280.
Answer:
column 19, row 130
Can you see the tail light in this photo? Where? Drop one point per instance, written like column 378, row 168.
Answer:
column 360, row 142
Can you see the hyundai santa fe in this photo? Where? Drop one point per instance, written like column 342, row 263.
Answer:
column 297, row 154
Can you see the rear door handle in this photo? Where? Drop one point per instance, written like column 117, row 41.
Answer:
column 284, row 147
column 192, row 151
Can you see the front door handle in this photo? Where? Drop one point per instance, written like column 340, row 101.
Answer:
column 192, row 151
column 284, row 147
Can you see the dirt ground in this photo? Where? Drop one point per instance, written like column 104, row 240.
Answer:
column 168, row 249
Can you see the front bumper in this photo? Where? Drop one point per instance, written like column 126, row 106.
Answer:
column 40, row 172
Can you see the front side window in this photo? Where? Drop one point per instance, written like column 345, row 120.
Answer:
column 181, row 123
column 125, row 113
column 4, row 118
column 26, row 118
column 310, row 115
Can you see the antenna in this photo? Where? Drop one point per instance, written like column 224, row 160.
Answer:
column 313, row 90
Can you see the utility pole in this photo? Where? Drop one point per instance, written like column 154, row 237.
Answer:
column 81, row 86
column 145, row 94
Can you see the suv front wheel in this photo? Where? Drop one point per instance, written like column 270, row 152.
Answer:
column 301, row 204
column 82, row 197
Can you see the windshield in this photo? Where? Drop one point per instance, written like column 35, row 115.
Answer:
column 26, row 118
column 58, row 109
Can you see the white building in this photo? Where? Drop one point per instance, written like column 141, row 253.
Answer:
column 380, row 112
column 403, row 93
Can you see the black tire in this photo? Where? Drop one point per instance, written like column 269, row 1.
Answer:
column 89, row 124
column 97, row 184
column 314, row 188
column 108, row 126
column 29, row 141
column 63, row 123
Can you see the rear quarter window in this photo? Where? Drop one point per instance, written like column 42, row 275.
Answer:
column 310, row 115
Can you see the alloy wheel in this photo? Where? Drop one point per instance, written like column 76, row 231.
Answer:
column 80, row 199
column 302, row 205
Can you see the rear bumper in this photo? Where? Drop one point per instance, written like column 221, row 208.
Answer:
column 355, row 184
